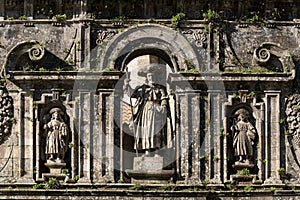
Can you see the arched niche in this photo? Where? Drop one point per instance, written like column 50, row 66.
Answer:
column 153, row 39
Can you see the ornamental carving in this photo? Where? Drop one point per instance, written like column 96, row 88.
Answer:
column 6, row 114
column 293, row 119
column 104, row 35
column 273, row 57
column 199, row 37
column 36, row 52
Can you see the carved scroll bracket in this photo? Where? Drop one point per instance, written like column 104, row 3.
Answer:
column 33, row 49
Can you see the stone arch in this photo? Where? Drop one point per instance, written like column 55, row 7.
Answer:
column 155, row 39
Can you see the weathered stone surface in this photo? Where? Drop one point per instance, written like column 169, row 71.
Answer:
column 212, row 69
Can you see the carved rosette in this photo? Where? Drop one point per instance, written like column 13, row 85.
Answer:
column 6, row 114
column 293, row 119
column 104, row 35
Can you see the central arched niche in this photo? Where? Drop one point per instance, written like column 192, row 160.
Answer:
column 152, row 39
column 133, row 63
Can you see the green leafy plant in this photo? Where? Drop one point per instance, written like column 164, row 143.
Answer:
column 77, row 99
column 245, row 172
column 37, row 186
column 42, row 69
column 251, row 94
column 168, row 187
column 10, row 18
column 205, row 182
column 211, row 15
column 235, row 96
column 175, row 20
column 23, row 17
column 71, row 145
column 138, row 187
column 60, row 18
column 192, row 71
column 281, row 171
column 107, row 181
column 216, row 158
column 65, row 171
column 253, row 18
column 52, row 183
column 297, row 107
column 76, row 178
column 248, row 188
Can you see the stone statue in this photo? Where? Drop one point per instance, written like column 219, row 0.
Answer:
column 244, row 136
column 150, row 111
column 56, row 136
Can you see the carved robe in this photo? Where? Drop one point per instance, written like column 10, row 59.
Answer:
column 56, row 137
column 150, row 117
column 243, row 139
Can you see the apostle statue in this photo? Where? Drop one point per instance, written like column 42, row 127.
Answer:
column 244, row 134
column 150, row 112
column 56, row 136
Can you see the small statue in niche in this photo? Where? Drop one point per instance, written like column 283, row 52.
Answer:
column 150, row 111
column 244, row 136
column 57, row 134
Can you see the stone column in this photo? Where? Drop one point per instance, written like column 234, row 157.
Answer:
column 188, row 137
column 85, row 55
column 181, row 137
column 214, row 139
column 104, row 138
column 27, row 136
column 85, row 144
column 194, row 119
column 273, row 152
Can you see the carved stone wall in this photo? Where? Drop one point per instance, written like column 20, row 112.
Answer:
column 212, row 70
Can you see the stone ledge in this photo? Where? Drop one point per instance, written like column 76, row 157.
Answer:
column 140, row 194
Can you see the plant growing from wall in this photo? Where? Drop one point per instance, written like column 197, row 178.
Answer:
column 245, row 172
column 60, row 18
column 211, row 15
column 175, row 20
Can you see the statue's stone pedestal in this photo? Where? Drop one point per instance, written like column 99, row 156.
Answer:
column 55, row 170
column 242, row 175
column 149, row 169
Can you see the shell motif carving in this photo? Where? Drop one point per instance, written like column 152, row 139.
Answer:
column 293, row 118
column 104, row 35
column 200, row 38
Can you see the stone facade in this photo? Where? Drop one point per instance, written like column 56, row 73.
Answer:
column 214, row 68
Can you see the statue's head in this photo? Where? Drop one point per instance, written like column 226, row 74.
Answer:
column 242, row 114
column 151, row 72
column 56, row 113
